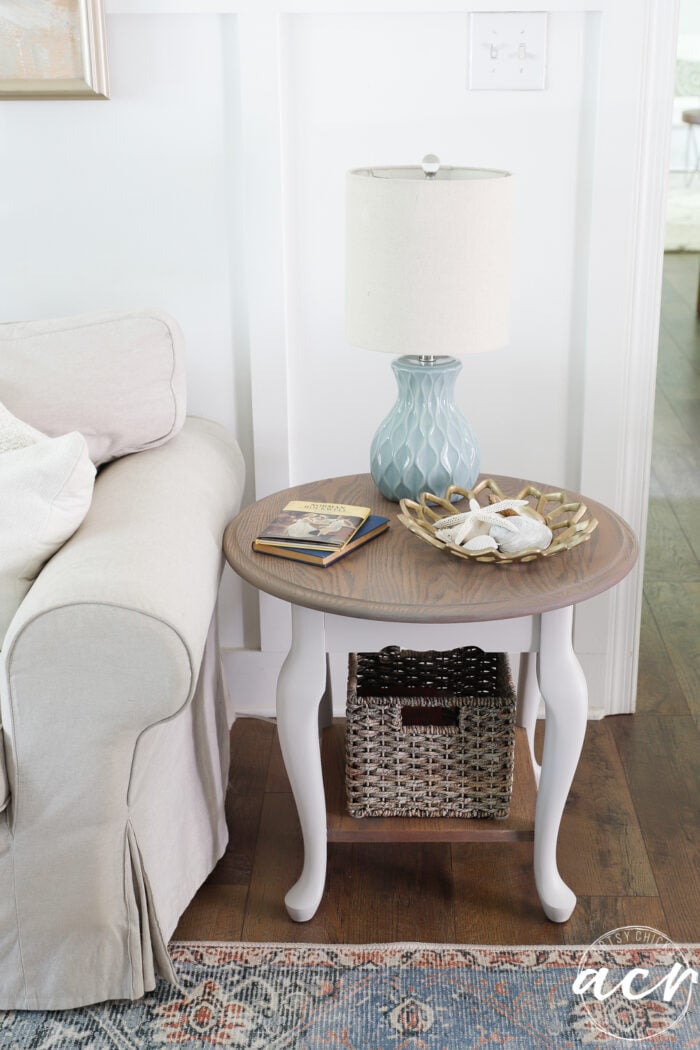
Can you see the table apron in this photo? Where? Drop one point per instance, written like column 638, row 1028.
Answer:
column 517, row 635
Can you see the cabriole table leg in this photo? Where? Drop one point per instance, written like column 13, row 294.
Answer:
column 563, row 688
column 301, row 685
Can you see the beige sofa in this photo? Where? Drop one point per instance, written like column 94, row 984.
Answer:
column 114, row 729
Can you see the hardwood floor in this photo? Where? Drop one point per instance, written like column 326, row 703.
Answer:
column 630, row 838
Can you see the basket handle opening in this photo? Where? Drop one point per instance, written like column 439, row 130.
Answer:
column 440, row 717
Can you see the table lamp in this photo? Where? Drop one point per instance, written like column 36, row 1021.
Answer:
column 428, row 260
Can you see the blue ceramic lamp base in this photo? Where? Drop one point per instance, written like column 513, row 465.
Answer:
column 425, row 443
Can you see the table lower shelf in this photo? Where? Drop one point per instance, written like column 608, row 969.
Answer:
column 517, row 827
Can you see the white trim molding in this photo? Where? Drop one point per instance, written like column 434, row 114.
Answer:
column 657, row 84
column 635, row 104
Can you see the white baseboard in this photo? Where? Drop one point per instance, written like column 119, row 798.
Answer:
column 251, row 680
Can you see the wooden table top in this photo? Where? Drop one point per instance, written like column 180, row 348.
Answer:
column 399, row 577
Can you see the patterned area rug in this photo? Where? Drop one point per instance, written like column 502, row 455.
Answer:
column 380, row 997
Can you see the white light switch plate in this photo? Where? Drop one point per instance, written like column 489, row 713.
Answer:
column 508, row 51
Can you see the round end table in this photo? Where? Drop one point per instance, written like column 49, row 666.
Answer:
column 399, row 590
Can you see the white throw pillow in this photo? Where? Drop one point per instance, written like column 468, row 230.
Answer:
column 45, row 492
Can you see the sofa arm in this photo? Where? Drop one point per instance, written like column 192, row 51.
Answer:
column 152, row 539
column 129, row 599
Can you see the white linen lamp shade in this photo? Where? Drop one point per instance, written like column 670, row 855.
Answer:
column 428, row 269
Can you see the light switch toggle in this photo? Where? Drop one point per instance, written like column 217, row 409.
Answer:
column 508, row 51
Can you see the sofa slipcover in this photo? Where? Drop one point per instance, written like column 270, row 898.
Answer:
column 115, row 739
column 114, row 732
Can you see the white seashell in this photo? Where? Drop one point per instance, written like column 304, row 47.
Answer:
column 485, row 528
column 447, row 534
column 466, row 529
column 527, row 532
column 481, row 543
column 470, row 530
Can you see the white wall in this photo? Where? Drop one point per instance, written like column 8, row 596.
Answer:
column 119, row 204
column 411, row 99
column 126, row 203
column 211, row 185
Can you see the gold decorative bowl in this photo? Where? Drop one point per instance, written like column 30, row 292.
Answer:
column 569, row 522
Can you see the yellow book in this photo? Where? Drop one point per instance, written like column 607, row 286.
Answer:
column 318, row 526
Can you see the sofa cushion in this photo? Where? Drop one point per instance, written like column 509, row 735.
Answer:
column 117, row 378
column 45, row 492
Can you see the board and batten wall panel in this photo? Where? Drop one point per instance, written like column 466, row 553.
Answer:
column 568, row 401
column 212, row 185
column 395, row 88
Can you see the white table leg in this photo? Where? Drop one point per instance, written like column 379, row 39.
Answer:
column 528, row 703
column 563, row 688
column 325, row 708
column 300, row 687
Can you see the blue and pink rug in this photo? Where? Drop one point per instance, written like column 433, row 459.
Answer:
column 379, row 997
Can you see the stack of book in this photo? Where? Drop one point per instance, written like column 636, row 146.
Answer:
column 319, row 533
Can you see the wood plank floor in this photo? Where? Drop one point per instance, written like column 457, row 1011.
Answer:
column 630, row 838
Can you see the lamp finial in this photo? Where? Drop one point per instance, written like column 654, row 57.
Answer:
column 430, row 165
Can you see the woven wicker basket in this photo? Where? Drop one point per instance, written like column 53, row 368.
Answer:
column 429, row 734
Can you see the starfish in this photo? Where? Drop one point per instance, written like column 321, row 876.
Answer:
column 478, row 520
